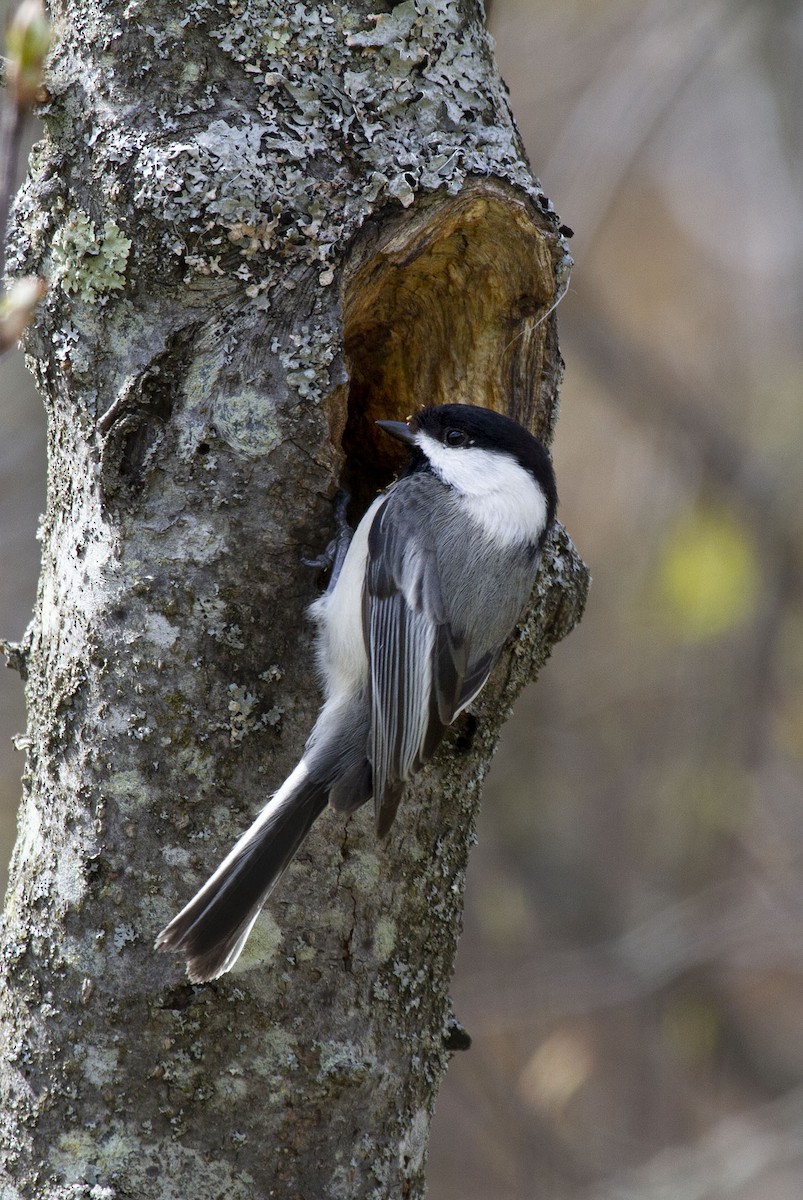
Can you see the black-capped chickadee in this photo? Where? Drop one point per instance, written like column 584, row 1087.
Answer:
column 434, row 579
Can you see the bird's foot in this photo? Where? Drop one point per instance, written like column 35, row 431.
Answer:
column 334, row 554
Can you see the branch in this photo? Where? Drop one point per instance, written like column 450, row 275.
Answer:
column 28, row 41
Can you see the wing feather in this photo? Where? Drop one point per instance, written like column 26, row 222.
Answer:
column 402, row 641
column 427, row 660
column 418, row 661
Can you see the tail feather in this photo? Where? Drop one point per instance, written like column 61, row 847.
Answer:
column 213, row 928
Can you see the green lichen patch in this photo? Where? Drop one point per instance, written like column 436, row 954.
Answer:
column 338, row 114
column 85, row 262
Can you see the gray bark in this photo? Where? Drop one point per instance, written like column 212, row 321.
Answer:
column 263, row 226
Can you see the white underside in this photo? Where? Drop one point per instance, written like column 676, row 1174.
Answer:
column 342, row 660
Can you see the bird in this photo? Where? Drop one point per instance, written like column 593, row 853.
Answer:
column 422, row 599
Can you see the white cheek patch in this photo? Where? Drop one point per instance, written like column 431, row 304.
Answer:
column 499, row 494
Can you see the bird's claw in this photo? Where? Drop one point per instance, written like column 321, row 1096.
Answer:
column 334, row 554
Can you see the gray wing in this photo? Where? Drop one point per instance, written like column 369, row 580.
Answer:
column 423, row 670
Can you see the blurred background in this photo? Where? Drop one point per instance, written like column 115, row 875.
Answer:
column 631, row 970
column 22, row 499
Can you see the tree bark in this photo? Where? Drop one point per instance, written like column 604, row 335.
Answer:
column 263, row 226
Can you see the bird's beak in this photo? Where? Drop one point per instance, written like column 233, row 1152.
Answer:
column 399, row 430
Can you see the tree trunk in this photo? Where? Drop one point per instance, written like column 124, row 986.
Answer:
column 264, row 225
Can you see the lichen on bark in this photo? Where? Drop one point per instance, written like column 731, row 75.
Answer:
column 324, row 217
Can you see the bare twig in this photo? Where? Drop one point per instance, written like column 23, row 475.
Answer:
column 28, row 41
column 12, row 123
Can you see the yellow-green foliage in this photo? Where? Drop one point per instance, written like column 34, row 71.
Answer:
column 708, row 576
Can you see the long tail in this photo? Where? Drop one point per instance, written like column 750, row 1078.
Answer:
column 212, row 929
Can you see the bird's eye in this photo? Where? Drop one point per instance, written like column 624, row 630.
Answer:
column 455, row 437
